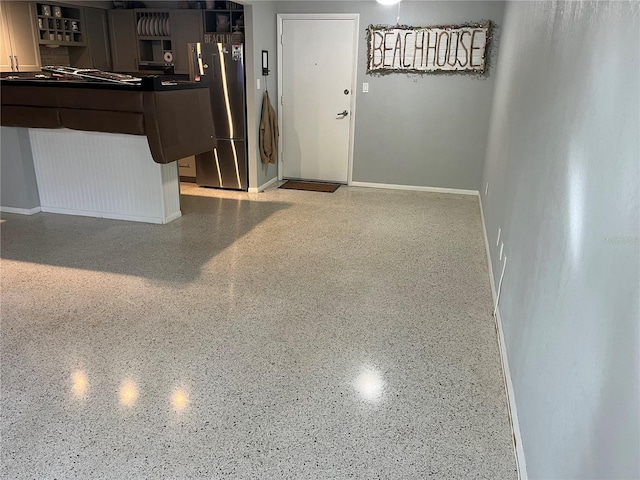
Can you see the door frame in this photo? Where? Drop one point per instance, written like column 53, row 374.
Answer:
column 354, row 80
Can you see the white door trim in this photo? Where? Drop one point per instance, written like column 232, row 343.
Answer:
column 354, row 81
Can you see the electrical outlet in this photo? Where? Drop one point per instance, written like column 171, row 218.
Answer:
column 365, row 88
column 258, row 86
column 486, row 189
column 501, row 249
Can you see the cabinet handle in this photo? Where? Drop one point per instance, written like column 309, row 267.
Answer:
column 12, row 67
column 17, row 64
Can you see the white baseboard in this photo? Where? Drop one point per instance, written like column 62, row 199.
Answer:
column 504, row 359
column 173, row 217
column 111, row 216
column 21, row 211
column 486, row 246
column 264, row 186
column 414, row 188
column 513, row 411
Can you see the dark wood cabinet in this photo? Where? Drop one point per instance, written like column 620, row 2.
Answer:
column 98, row 38
column 60, row 24
column 186, row 27
column 226, row 17
column 122, row 31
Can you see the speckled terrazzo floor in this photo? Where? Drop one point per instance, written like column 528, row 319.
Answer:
column 284, row 334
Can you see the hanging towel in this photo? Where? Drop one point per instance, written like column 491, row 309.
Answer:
column 268, row 132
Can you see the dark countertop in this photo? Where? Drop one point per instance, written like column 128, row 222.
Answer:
column 176, row 119
column 149, row 84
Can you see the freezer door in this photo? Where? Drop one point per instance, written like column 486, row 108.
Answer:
column 225, row 167
column 226, row 82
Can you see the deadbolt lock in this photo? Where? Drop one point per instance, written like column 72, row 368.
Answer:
column 346, row 92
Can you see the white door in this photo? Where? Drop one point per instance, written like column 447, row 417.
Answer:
column 318, row 68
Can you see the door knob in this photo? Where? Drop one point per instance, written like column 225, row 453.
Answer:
column 343, row 114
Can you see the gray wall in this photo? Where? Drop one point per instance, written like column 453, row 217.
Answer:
column 18, row 187
column 428, row 130
column 563, row 171
column 260, row 25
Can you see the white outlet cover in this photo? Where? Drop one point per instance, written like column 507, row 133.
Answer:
column 365, row 88
column 257, row 84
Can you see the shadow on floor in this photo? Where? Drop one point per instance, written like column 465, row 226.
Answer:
column 173, row 253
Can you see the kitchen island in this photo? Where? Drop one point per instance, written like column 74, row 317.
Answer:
column 101, row 149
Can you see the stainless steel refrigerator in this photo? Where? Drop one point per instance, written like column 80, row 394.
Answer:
column 222, row 65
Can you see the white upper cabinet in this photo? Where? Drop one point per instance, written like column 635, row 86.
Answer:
column 19, row 42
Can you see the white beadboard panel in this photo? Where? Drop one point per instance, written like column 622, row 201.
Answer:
column 99, row 174
column 170, row 191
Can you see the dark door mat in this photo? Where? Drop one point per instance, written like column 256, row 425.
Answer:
column 310, row 186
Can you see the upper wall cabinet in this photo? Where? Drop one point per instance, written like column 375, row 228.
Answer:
column 224, row 23
column 98, row 38
column 122, row 31
column 225, row 17
column 19, row 42
column 186, row 27
column 149, row 38
column 60, row 24
column 154, row 38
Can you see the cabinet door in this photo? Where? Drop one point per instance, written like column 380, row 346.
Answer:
column 95, row 21
column 186, row 27
column 122, row 33
column 187, row 166
column 24, row 35
column 5, row 47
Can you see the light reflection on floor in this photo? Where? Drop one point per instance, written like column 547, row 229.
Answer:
column 370, row 384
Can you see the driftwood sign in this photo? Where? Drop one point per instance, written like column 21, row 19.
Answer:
column 451, row 49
